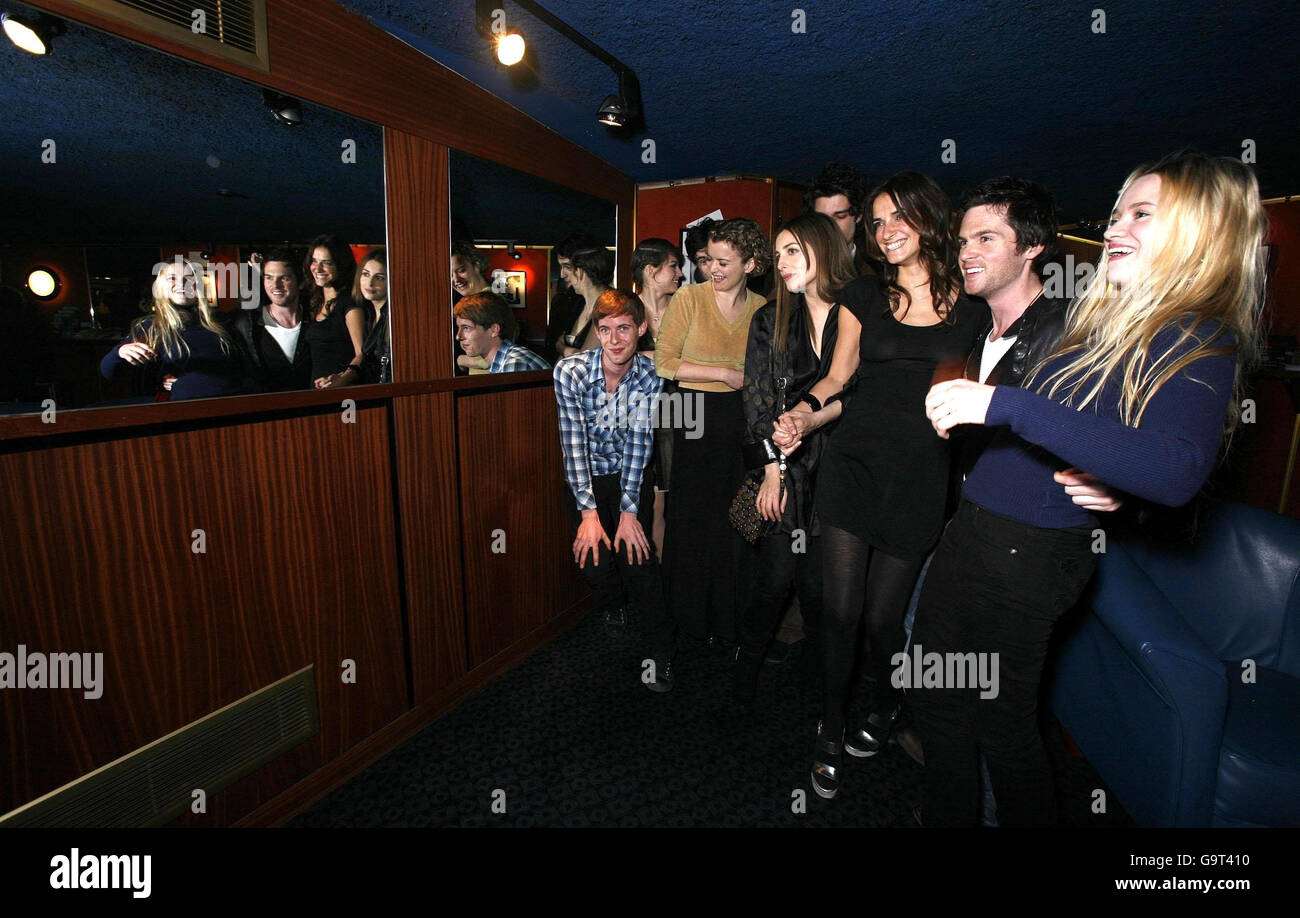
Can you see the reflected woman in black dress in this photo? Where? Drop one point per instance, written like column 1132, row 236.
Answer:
column 882, row 485
column 371, row 291
column 791, row 342
column 336, row 323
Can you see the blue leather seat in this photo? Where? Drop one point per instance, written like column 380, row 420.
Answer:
column 1181, row 683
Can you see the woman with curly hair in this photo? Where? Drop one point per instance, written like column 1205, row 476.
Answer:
column 1140, row 393
column 883, row 482
column 183, row 337
column 702, row 345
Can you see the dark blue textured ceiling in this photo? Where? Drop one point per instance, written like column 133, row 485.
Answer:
column 144, row 141
column 1022, row 86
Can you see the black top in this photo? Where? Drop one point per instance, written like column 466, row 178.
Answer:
column 798, row 364
column 885, row 473
column 329, row 341
column 270, row 369
column 376, row 350
column 205, row 368
column 565, row 308
column 1037, row 332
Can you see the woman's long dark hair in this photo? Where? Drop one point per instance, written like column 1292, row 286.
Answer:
column 816, row 234
column 345, row 269
column 928, row 211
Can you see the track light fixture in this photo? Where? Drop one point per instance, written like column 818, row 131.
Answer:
column 620, row 111
column 32, row 32
column 513, row 253
column 286, row 109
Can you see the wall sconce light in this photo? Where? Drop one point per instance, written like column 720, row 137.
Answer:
column 33, row 32
column 513, row 252
column 286, row 109
column 43, row 283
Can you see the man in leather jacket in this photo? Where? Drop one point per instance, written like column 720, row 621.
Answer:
column 270, row 337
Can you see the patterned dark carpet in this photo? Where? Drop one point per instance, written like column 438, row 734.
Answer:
column 570, row 737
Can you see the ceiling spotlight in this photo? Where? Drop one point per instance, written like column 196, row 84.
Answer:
column 510, row 48
column 32, row 32
column 613, row 111
column 286, row 109
column 621, row 109
column 43, row 283
column 510, row 249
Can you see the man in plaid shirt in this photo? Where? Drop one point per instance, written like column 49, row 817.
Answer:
column 606, row 398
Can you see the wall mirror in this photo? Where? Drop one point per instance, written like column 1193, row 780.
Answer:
column 505, row 226
column 121, row 161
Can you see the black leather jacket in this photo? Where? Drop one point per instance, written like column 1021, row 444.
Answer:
column 800, row 367
column 1038, row 331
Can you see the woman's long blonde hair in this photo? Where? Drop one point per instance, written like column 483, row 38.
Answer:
column 1207, row 264
column 165, row 322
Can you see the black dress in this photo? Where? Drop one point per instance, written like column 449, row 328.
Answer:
column 329, row 340
column 885, row 473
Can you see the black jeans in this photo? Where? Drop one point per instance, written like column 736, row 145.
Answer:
column 779, row 568
column 608, row 578
column 996, row 587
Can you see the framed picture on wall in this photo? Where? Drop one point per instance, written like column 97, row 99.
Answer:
column 511, row 286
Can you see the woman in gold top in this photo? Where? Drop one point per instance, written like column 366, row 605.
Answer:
column 702, row 345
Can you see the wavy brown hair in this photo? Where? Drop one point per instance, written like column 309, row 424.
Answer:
column 927, row 210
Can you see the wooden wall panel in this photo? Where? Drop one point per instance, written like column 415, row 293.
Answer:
column 419, row 228
column 300, row 568
column 430, row 521
column 512, row 479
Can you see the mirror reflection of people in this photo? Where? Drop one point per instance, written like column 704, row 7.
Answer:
column 469, row 275
column 565, row 304
column 277, row 355
column 469, row 268
column 183, row 338
column 605, row 397
column 336, row 323
column 1141, row 392
column 484, row 324
column 656, row 276
column 371, row 290
column 702, row 345
column 590, row 272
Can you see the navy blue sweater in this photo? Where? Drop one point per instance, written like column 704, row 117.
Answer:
column 1166, row 460
column 206, row 371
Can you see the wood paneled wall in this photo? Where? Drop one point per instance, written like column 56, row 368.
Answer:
column 325, row 540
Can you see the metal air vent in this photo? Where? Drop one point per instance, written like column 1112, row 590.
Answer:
column 232, row 29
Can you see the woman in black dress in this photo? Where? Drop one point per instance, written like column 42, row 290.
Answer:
column 371, row 290
column 791, row 342
column 335, row 329
column 883, row 481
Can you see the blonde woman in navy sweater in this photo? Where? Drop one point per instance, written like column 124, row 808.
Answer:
column 1140, row 394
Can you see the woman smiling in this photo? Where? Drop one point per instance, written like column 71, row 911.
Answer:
column 702, row 345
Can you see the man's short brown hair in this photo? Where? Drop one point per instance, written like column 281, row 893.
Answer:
column 487, row 309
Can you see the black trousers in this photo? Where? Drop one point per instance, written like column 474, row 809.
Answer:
column 996, row 587
column 780, row 567
column 613, row 573
column 707, row 565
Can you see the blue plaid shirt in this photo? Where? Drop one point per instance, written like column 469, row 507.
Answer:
column 513, row 358
column 603, row 433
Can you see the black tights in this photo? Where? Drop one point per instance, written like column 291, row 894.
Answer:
column 858, row 574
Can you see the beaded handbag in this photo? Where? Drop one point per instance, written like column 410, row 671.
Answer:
column 743, row 513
